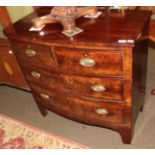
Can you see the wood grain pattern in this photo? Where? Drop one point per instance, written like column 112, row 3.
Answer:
column 63, row 85
column 80, row 108
column 106, row 30
column 10, row 71
column 106, row 62
column 42, row 58
column 151, row 35
column 80, row 85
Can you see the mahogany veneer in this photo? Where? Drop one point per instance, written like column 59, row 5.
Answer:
column 94, row 77
column 10, row 72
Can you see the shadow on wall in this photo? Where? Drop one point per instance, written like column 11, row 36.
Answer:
column 1, row 32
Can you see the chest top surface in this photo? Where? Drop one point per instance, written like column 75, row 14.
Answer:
column 108, row 29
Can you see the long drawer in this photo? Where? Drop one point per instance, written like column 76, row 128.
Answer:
column 33, row 55
column 96, row 87
column 85, row 61
column 79, row 108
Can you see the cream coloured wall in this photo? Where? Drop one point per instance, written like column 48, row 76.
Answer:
column 16, row 13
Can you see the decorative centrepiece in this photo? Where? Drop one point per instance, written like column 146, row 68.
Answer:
column 66, row 16
column 18, row 135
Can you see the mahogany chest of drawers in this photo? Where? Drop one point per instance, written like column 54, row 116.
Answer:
column 95, row 77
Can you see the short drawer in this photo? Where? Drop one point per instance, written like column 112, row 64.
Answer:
column 31, row 54
column 96, row 87
column 78, row 108
column 42, row 77
column 84, row 61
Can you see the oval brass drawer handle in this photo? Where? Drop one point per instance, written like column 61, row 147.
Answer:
column 102, row 111
column 45, row 96
column 98, row 88
column 30, row 53
column 87, row 62
column 35, row 74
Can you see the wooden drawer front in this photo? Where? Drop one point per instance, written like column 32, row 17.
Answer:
column 10, row 72
column 33, row 55
column 85, row 61
column 43, row 78
column 103, row 88
column 79, row 108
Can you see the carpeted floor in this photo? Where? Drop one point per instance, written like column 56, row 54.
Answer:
column 21, row 105
column 15, row 134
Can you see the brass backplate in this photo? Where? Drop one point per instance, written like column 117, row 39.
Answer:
column 73, row 33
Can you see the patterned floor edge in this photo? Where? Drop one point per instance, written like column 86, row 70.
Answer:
column 17, row 134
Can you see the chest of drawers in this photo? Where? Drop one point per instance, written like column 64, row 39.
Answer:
column 95, row 77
